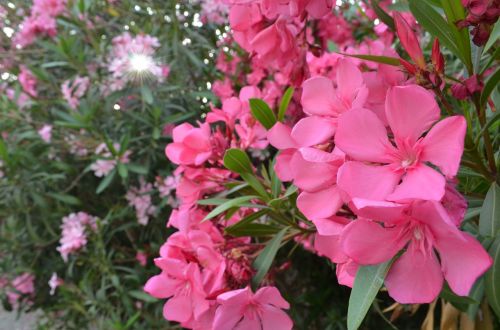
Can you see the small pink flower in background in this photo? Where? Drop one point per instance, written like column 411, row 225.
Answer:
column 108, row 161
column 142, row 258
column 49, row 7
column 74, row 90
column 34, row 26
column 140, row 199
column 74, row 233
column 166, row 187
column 45, row 133
column 22, row 285
column 102, row 167
column 242, row 309
column 165, row 71
column 54, row 282
column 28, row 81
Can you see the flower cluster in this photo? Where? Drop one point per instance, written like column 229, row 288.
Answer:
column 74, row 232
column 140, row 199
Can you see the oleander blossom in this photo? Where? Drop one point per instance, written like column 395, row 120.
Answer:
column 75, row 228
column 22, row 286
column 74, row 90
column 140, row 199
column 108, row 160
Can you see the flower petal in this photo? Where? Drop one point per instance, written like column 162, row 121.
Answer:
column 421, row 182
column 368, row 243
column 311, row 176
column 378, row 210
column 313, row 130
column 275, row 319
column 282, row 166
column 366, row 181
column 271, row 295
column 410, row 111
column 361, row 135
column 415, row 278
column 321, row 204
column 178, row 308
column 280, row 137
column 160, row 286
column 444, row 144
column 318, row 96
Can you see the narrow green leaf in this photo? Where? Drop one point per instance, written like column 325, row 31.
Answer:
column 455, row 12
column 212, row 201
column 266, row 257
column 236, row 202
column 245, row 221
column 489, row 218
column 4, row 155
column 490, row 85
column 237, row 161
column 122, row 170
column 262, row 112
column 368, row 281
column 494, row 36
column 105, row 182
column 136, row 168
column 375, row 58
column 436, row 25
column 147, row 95
column 285, row 101
column 256, row 185
column 65, row 198
column 253, row 229
column 476, row 293
column 141, row 295
column 460, row 302
column 384, row 17
column 492, row 278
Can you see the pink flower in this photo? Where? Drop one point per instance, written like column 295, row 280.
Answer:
column 34, row 26
column 45, row 133
column 54, row 282
column 140, row 199
column 102, row 167
column 48, row 7
column 241, row 309
column 28, row 81
column 191, row 145
column 142, row 258
column 23, row 285
column 182, row 284
column 320, row 98
column 74, row 236
column 409, row 40
column 74, row 90
column 423, row 227
column 410, row 111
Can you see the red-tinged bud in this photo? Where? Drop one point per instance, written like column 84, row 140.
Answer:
column 409, row 40
column 459, row 91
column 408, row 66
column 474, row 84
column 437, row 57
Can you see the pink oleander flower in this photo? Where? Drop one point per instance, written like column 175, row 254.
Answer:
column 108, row 162
column 320, row 98
column 140, row 199
column 34, row 26
column 142, row 258
column 22, row 285
column 242, row 309
column 403, row 172
column 74, row 90
column 409, row 40
column 191, row 145
column 74, row 235
column 45, row 133
column 422, row 227
column 54, row 282
column 48, row 7
column 103, row 167
column 28, row 81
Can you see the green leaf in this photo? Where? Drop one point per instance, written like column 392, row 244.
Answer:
column 122, row 170
column 460, row 302
column 236, row 202
column 455, row 12
column 253, row 229
column 262, row 112
column 285, row 101
column 432, row 22
column 374, row 58
column 384, row 17
column 489, row 218
column 139, row 169
column 266, row 257
column 105, row 182
column 3, row 151
column 476, row 293
column 368, row 281
column 237, row 161
column 212, row 201
column 254, row 182
column 245, row 221
column 494, row 36
column 490, row 85
column 141, row 295
column 65, row 198
column 147, row 95
column 492, row 278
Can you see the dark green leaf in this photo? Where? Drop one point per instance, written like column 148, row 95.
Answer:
column 253, row 229
column 494, row 36
column 147, row 95
column 254, row 182
column 384, row 17
column 139, row 169
column 141, row 295
column 490, row 85
column 65, row 198
column 476, row 293
column 489, row 218
column 236, row 202
column 245, row 221
column 285, row 101
column 105, row 182
column 374, row 58
column 368, row 281
column 262, row 112
column 237, row 161
column 492, row 278
column 455, row 12
column 266, row 257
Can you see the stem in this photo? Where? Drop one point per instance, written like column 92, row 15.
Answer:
column 490, row 155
